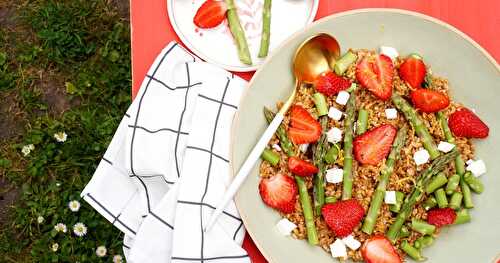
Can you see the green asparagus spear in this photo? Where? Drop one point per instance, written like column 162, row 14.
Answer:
column 463, row 217
column 238, row 33
column 411, row 251
column 422, row 227
column 305, row 200
column 270, row 156
column 467, row 195
column 319, row 180
column 348, row 137
column 429, row 203
column 452, row 185
column 441, row 199
column 331, row 154
column 266, row 29
column 286, row 144
column 417, row 123
column 405, row 232
column 474, row 183
column 436, row 182
column 456, row 200
column 362, row 122
column 418, row 193
column 344, row 62
column 320, row 102
column 399, row 201
column 378, row 196
column 425, row 241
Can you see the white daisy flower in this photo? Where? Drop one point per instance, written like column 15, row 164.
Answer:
column 54, row 247
column 58, row 184
column 60, row 136
column 60, row 227
column 80, row 229
column 40, row 219
column 74, row 206
column 117, row 259
column 101, row 251
column 27, row 149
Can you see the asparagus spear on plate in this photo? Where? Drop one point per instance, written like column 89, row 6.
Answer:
column 238, row 33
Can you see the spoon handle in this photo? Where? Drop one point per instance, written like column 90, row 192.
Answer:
column 245, row 168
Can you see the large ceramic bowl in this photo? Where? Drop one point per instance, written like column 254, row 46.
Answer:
column 474, row 79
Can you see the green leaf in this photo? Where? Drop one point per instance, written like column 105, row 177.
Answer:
column 70, row 88
column 5, row 163
column 3, row 58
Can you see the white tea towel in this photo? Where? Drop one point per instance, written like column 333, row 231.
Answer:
column 167, row 165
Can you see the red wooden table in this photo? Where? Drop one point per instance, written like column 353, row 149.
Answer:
column 151, row 30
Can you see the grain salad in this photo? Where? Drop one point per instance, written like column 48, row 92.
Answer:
column 384, row 184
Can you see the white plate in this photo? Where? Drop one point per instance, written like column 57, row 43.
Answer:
column 217, row 45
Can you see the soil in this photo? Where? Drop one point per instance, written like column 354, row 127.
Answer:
column 8, row 196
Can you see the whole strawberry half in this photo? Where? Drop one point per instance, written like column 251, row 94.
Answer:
column 303, row 127
column 300, row 167
column 376, row 73
column 429, row 101
column 210, row 14
column 279, row 192
column 413, row 71
column 330, row 84
column 464, row 123
column 379, row 249
column 441, row 216
column 374, row 145
column 343, row 216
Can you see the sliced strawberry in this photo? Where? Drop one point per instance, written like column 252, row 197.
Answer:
column 464, row 123
column 375, row 73
column 413, row 71
column 379, row 249
column 210, row 14
column 343, row 216
column 429, row 100
column 330, row 84
column 303, row 127
column 374, row 145
column 300, row 167
column 441, row 216
column 279, row 192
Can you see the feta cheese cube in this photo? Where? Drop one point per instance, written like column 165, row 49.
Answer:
column 351, row 242
column 391, row 114
column 445, row 146
column 334, row 113
column 303, row 147
column 469, row 162
column 277, row 147
column 334, row 135
column 334, row 175
column 342, row 97
column 338, row 249
column 390, row 197
column 477, row 168
column 389, row 51
column 285, row 227
column 421, row 156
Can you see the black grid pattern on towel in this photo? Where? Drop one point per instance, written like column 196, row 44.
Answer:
column 177, row 130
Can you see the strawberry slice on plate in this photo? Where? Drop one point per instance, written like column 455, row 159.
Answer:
column 210, row 14
column 376, row 73
column 428, row 100
column 413, row 71
column 379, row 249
column 441, row 216
column 279, row 192
column 300, row 167
column 303, row 127
column 330, row 84
column 374, row 145
column 464, row 123
column 343, row 216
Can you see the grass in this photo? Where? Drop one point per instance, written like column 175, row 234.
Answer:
column 73, row 53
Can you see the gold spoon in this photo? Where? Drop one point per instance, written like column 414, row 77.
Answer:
column 313, row 57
